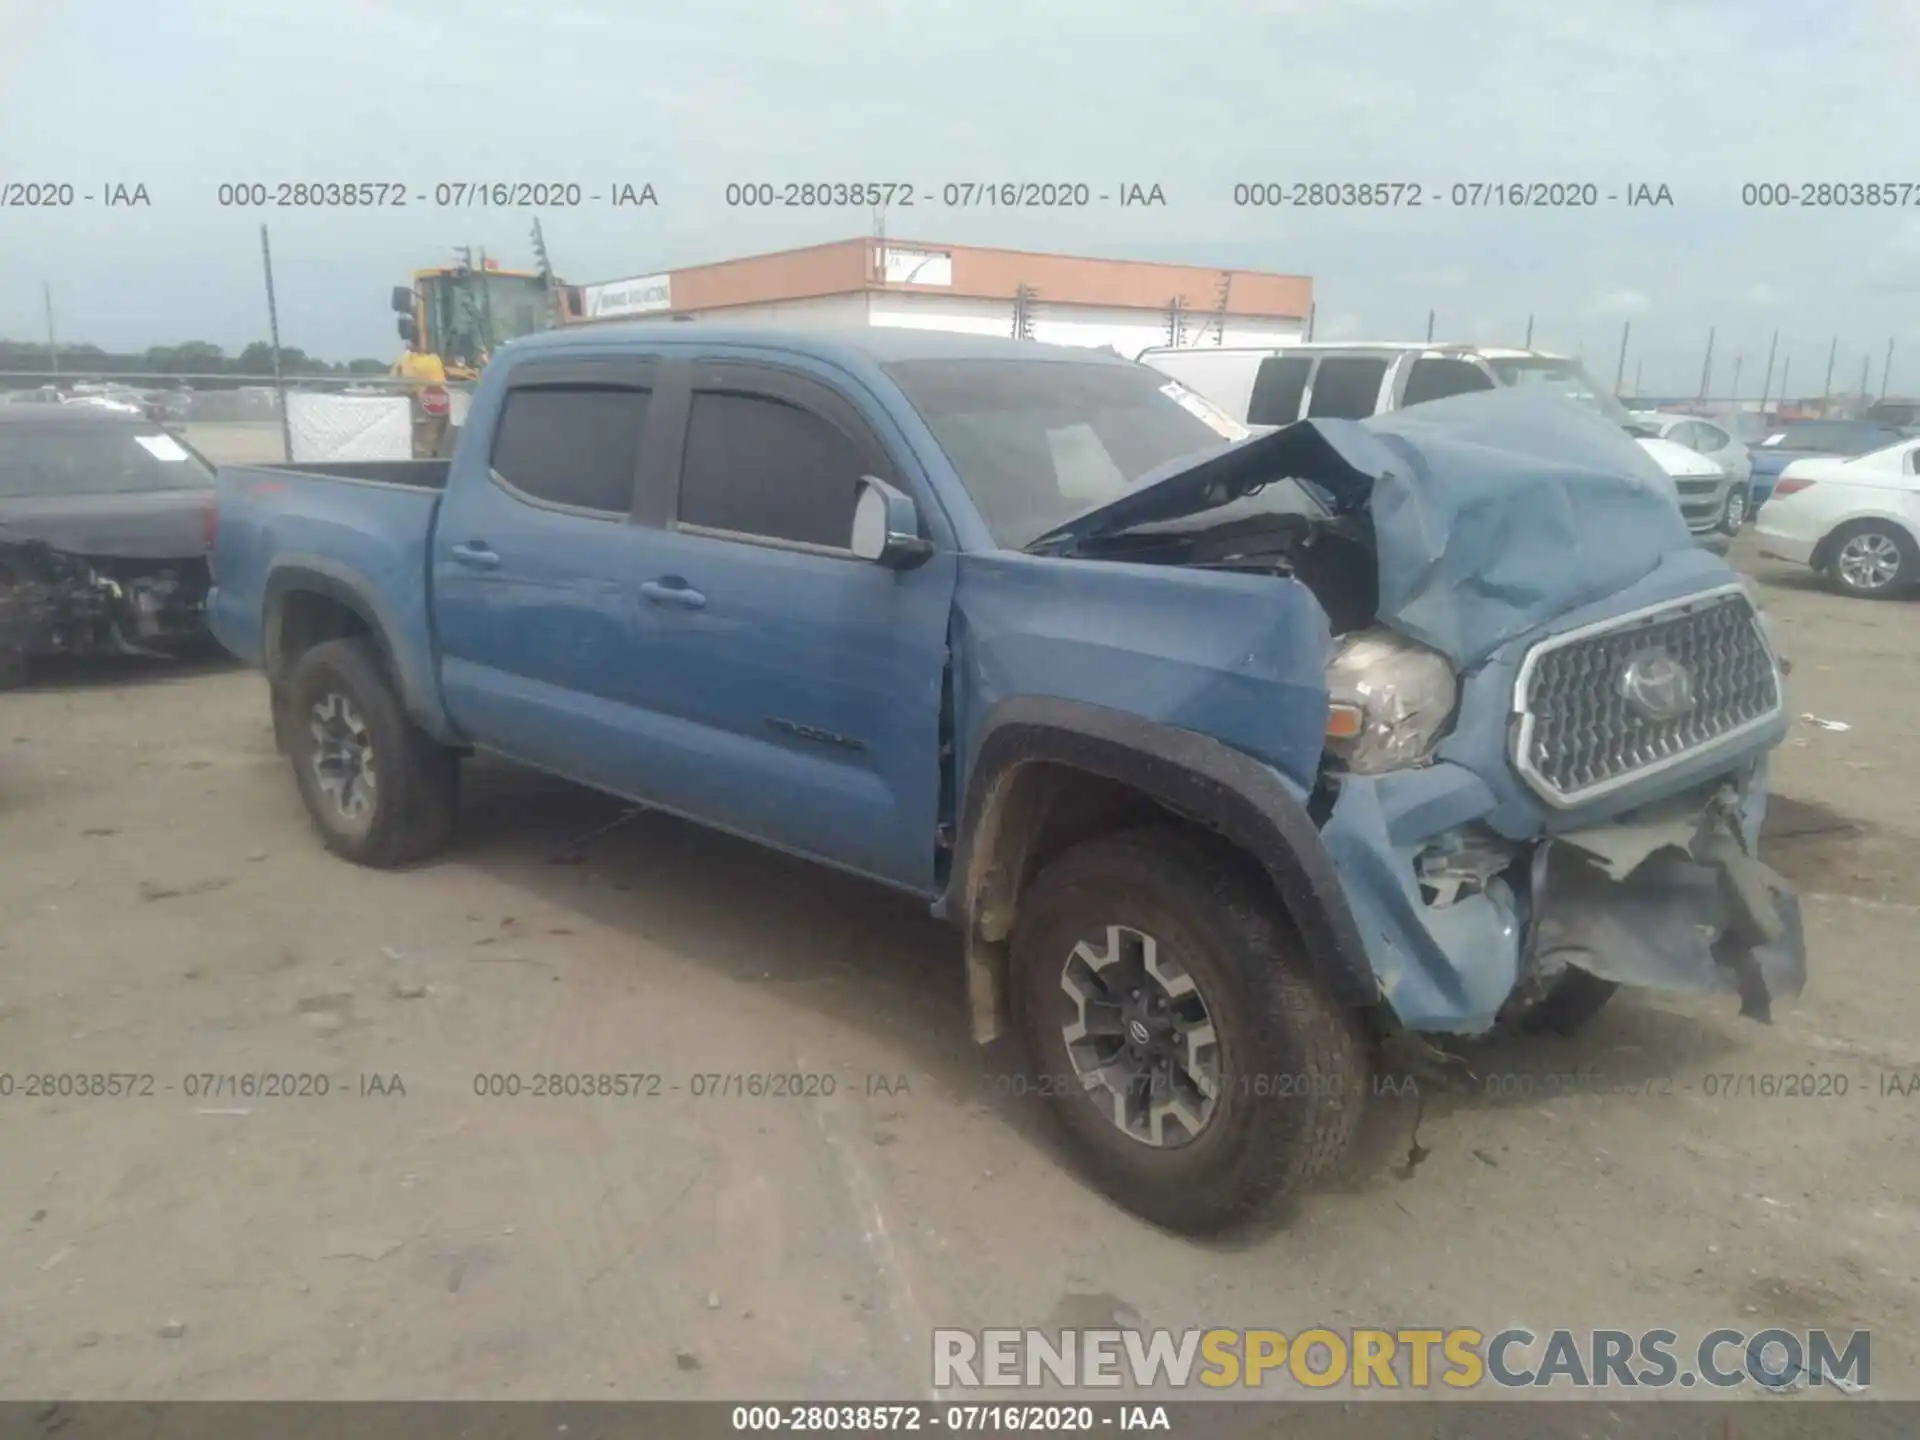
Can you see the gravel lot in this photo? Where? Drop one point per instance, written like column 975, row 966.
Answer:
column 167, row 913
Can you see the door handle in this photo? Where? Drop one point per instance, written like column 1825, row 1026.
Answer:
column 675, row 592
column 475, row 555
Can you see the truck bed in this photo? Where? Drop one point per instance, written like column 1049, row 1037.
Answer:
column 414, row 474
column 357, row 531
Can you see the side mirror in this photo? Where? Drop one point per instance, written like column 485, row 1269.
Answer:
column 401, row 300
column 407, row 328
column 886, row 527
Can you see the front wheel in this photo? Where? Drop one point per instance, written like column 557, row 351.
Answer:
column 1872, row 560
column 1199, row 1071
column 1733, row 515
column 377, row 787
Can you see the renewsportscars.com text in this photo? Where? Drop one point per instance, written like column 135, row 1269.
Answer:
column 1401, row 1358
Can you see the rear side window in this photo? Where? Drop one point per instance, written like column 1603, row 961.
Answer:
column 573, row 446
column 755, row 465
column 1433, row 379
column 1346, row 387
column 1277, row 387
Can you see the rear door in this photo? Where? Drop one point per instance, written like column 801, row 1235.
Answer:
column 533, row 570
column 796, row 689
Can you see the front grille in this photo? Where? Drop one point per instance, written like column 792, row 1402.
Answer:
column 1702, row 674
column 1704, row 486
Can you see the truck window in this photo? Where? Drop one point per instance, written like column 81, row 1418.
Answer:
column 755, row 465
column 1277, row 387
column 1436, row 379
column 572, row 446
column 1347, row 387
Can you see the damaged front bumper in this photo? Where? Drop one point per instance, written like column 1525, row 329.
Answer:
column 1461, row 924
column 68, row 604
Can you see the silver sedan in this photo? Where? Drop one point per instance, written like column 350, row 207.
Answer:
column 1718, row 444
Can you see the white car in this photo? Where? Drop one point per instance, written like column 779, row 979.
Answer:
column 1855, row 522
column 1279, row 384
column 1718, row 444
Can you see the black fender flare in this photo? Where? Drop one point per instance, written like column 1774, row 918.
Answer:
column 1190, row 774
column 316, row 574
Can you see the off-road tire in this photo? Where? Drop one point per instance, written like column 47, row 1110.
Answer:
column 1905, row 576
column 418, row 780
column 1278, row 1028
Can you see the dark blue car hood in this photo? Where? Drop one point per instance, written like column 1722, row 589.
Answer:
column 1492, row 513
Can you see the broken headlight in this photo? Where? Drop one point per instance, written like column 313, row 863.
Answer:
column 1389, row 701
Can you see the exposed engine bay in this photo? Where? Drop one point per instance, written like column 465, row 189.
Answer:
column 1333, row 556
column 62, row 604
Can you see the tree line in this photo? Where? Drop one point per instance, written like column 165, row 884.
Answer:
column 195, row 357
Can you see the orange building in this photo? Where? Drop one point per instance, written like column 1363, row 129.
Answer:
column 1063, row 299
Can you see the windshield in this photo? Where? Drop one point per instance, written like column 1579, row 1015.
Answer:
column 474, row 314
column 1037, row 442
column 40, row 461
column 1831, row 437
column 1563, row 377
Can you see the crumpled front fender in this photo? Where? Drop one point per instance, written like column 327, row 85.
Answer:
column 1670, row 897
column 1441, row 968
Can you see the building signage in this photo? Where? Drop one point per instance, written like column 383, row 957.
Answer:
column 642, row 296
column 915, row 267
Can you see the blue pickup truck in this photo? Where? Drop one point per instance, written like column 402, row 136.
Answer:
column 1241, row 761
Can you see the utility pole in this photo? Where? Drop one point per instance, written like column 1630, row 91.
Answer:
column 1886, row 368
column 1786, row 372
column 1429, row 327
column 1620, row 370
column 1023, row 296
column 1706, row 366
column 1733, row 390
column 1529, row 342
column 1638, row 366
column 1767, row 384
column 53, row 343
column 1220, row 308
column 273, row 333
column 1176, row 317
column 556, row 301
column 1866, row 365
column 1826, row 389
column 1313, row 308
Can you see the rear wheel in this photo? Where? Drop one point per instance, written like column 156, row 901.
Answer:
column 378, row 789
column 1873, row 560
column 1198, row 1070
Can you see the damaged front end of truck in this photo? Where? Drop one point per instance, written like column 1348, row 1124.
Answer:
column 1548, row 712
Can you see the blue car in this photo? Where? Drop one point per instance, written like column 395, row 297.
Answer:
column 1805, row 439
column 1238, row 762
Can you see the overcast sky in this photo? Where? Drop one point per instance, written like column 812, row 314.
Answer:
column 1196, row 96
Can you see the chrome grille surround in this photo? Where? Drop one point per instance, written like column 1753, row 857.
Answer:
column 1577, row 736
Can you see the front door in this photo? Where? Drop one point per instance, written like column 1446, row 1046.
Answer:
column 800, row 686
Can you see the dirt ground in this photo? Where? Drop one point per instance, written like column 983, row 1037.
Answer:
column 168, row 914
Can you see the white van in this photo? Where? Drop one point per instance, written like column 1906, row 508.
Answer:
column 1279, row 384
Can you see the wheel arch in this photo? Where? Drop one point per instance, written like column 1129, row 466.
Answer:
column 1823, row 548
column 309, row 599
column 1047, row 773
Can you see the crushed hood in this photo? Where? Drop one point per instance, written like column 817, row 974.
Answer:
column 1492, row 513
column 141, row 525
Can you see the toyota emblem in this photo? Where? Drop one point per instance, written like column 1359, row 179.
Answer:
column 1657, row 686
